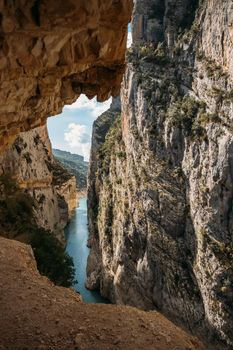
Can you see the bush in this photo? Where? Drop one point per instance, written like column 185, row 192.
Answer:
column 17, row 219
column 52, row 260
column 16, row 206
column 183, row 112
column 114, row 136
column 19, row 207
column 191, row 116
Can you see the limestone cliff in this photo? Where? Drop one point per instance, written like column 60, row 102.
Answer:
column 75, row 164
column 52, row 51
column 30, row 161
column 65, row 185
column 100, row 129
column 161, row 233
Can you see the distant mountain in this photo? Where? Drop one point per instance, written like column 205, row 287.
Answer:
column 75, row 164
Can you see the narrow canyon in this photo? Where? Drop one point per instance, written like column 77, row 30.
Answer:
column 159, row 184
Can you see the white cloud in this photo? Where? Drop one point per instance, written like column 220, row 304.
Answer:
column 78, row 139
column 92, row 106
column 129, row 39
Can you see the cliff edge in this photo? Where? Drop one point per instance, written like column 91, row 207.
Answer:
column 56, row 319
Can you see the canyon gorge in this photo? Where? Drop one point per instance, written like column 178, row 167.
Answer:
column 160, row 177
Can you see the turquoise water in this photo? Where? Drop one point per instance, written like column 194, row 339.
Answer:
column 76, row 247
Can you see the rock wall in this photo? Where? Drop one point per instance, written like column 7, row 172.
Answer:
column 157, row 20
column 76, row 165
column 52, row 51
column 30, row 161
column 100, row 129
column 65, row 185
column 161, row 235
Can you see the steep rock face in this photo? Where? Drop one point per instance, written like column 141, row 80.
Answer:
column 51, row 52
column 100, row 129
column 159, row 20
column 163, row 227
column 65, row 185
column 75, row 164
column 29, row 160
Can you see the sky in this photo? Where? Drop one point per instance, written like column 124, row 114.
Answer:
column 71, row 130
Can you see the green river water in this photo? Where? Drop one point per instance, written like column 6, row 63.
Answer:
column 76, row 247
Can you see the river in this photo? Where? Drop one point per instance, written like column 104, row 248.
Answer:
column 76, row 246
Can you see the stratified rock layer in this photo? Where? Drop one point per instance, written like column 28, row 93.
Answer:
column 52, row 51
column 162, row 231
column 35, row 314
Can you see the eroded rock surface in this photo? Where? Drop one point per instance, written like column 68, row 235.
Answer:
column 100, row 129
column 37, row 315
column 52, row 51
column 161, row 234
column 30, row 161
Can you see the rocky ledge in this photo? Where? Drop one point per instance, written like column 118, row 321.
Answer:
column 56, row 319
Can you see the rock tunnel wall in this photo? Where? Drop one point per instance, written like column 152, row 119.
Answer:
column 52, row 51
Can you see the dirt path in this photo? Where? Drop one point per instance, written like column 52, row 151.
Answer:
column 34, row 314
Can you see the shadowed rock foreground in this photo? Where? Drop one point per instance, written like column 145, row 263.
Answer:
column 37, row 315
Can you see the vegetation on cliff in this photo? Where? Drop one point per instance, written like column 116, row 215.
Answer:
column 17, row 222
column 163, row 225
column 75, row 164
column 114, row 136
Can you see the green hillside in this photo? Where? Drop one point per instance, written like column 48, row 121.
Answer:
column 75, row 164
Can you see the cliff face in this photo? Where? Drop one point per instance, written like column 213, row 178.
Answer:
column 158, row 20
column 95, row 182
column 29, row 160
column 75, row 164
column 51, row 52
column 161, row 235
column 66, row 187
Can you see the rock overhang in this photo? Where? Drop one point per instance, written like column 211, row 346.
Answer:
column 51, row 52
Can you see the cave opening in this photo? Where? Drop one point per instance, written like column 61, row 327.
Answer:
column 71, row 130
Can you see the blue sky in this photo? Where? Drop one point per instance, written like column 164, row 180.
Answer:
column 71, row 130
